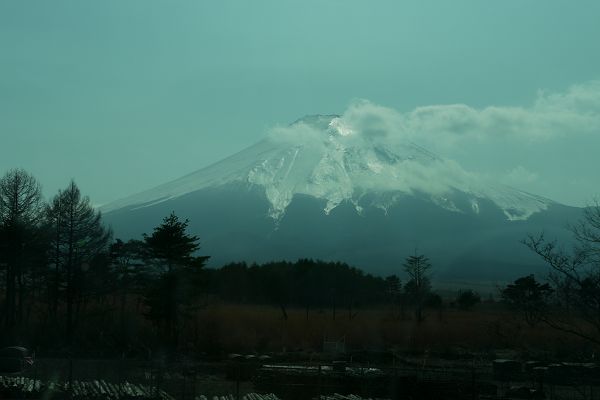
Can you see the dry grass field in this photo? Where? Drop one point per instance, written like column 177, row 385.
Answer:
column 487, row 328
column 217, row 329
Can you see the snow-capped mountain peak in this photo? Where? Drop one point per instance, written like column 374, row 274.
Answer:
column 325, row 157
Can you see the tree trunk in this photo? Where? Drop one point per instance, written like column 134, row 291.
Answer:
column 10, row 296
column 283, row 311
column 57, row 266
column 123, row 301
column 69, row 335
column 21, row 291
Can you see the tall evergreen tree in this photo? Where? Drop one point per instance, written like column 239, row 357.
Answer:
column 171, row 250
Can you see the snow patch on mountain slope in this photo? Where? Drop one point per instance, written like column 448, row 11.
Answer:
column 325, row 157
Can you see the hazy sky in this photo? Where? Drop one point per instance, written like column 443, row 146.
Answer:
column 125, row 95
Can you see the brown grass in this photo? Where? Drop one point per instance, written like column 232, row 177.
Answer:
column 218, row 328
column 246, row 328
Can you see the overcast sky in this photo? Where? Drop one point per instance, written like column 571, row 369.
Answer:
column 125, row 95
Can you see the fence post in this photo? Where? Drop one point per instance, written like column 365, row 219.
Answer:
column 195, row 381
column 183, row 386
column 70, row 391
column 395, row 385
column 121, row 369
column 158, row 378
column 473, row 395
column 237, row 380
column 319, row 382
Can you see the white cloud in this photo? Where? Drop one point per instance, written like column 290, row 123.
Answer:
column 553, row 136
column 576, row 111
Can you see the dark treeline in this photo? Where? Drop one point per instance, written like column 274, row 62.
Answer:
column 62, row 274
column 52, row 258
column 68, row 286
column 305, row 283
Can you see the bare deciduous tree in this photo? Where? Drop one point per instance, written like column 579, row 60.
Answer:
column 79, row 237
column 20, row 207
column 575, row 277
column 419, row 285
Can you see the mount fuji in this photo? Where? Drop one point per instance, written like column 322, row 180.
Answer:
column 321, row 188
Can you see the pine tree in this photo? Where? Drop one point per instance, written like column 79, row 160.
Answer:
column 171, row 251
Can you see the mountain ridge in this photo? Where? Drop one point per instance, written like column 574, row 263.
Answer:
column 336, row 168
column 310, row 191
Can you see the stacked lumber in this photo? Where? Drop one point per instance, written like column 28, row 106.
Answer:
column 337, row 396
column 249, row 396
column 15, row 385
column 256, row 396
column 21, row 387
column 102, row 390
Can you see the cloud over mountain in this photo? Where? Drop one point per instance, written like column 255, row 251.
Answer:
column 531, row 138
